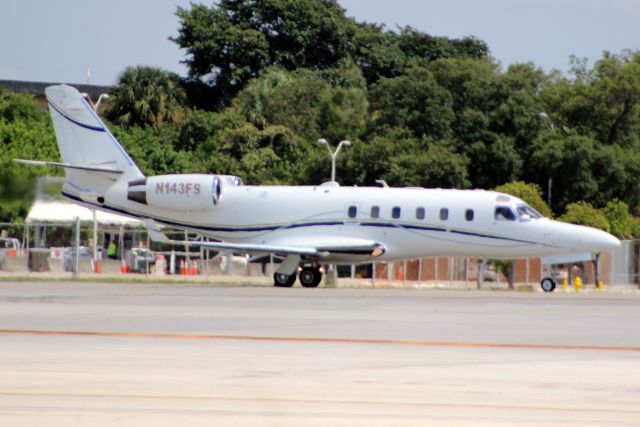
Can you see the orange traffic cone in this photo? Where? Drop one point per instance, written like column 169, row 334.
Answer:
column 194, row 268
column 98, row 269
column 123, row 267
column 183, row 268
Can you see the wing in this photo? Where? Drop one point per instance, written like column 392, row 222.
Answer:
column 314, row 247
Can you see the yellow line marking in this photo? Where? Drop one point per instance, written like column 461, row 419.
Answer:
column 329, row 340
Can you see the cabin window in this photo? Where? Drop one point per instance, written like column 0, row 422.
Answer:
column 468, row 214
column 353, row 211
column 375, row 211
column 444, row 214
column 505, row 213
column 420, row 213
column 395, row 212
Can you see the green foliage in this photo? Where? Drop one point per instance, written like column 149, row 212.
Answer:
column 26, row 133
column 232, row 42
column 152, row 149
column 439, row 166
column 602, row 101
column 16, row 107
column 614, row 218
column 621, row 222
column 238, row 151
column 584, row 213
column 306, row 102
column 414, row 101
column 529, row 193
column 146, row 96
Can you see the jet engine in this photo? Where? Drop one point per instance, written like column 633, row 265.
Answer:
column 178, row 192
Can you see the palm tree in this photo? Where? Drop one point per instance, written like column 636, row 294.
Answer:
column 146, row 96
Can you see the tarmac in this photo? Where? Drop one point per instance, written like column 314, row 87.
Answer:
column 87, row 354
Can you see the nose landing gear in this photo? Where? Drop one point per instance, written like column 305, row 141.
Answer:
column 547, row 284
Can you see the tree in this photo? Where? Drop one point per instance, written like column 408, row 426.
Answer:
column 601, row 102
column 492, row 160
column 306, row 102
column 570, row 162
column 621, row 222
column 199, row 126
column 414, row 101
column 26, row 133
column 529, row 193
column 617, row 94
column 584, row 214
column 152, row 149
column 425, row 48
column 234, row 41
column 230, row 43
column 260, row 156
column 146, row 96
column 372, row 160
column 436, row 167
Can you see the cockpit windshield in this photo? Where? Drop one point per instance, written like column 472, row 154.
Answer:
column 231, row 180
column 526, row 213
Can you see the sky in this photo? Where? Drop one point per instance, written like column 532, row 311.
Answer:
column 60, row 40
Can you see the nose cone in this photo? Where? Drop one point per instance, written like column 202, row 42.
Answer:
column 599, row 241
column 580, row 238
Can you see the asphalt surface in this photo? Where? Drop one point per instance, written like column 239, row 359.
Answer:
column 163, row 355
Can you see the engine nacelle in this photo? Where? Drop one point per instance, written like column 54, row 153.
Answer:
column 178, row 192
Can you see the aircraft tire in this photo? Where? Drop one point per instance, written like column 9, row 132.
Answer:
column 281, row 280
column 310, row 277
column 547, row 284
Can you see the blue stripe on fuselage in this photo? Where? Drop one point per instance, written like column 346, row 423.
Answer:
column 297, row 225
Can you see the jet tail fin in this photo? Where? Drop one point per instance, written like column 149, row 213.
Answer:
column 86, row 146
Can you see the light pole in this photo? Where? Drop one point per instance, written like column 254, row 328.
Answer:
column 333, row 154
column 545, row 118
column 100, row 98
column 97, row 104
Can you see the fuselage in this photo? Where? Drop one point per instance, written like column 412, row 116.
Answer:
column 408, row 222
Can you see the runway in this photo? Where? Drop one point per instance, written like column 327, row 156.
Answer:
column 163, row 355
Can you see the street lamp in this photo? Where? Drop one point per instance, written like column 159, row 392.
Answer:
column 545, row 118
column 100, row 98
column 333, row 154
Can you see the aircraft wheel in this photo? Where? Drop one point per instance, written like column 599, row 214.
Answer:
column 547, row 284
column 281, row 280
column 310, row 277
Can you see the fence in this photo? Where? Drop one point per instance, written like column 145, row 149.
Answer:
column 51, row 248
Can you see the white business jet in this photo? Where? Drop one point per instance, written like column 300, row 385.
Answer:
column 305, row 225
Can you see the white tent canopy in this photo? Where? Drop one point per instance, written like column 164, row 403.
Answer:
column 58, row 212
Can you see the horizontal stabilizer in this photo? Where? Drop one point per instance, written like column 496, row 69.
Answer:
column 68, row 165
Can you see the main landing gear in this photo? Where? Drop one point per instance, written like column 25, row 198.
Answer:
column 282, row 280
column 310, row 277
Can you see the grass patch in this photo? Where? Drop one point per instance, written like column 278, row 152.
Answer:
column 134, row 280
